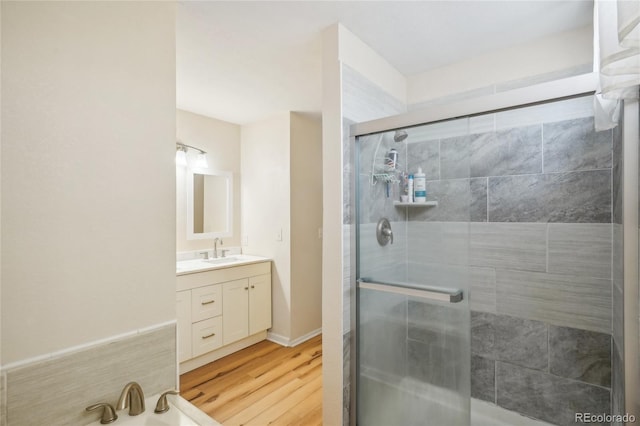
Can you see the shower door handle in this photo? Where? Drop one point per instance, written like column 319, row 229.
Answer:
column 415, row 290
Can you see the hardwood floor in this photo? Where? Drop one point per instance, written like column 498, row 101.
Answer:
column 264, row 384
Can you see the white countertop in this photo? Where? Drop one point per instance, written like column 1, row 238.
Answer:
column 191, row 266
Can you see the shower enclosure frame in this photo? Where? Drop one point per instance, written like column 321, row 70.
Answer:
column 557, row 90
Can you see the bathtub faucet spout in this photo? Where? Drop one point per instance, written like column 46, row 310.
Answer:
column 132, row 397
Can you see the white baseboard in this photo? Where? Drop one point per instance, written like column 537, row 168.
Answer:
column 192, row 364
column 285, row 341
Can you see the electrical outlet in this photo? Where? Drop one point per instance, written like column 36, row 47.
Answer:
column 279, row 235
column 245, row 240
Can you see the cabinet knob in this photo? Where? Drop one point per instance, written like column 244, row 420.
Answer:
column 253, row 286
column 208, row 302
column 246, row 288
column 208, row 335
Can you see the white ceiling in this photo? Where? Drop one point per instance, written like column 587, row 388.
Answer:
column 240, row 61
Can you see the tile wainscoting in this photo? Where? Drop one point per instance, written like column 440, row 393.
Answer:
column 55, row 390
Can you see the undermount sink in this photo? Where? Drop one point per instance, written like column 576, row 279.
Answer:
column 220, row 260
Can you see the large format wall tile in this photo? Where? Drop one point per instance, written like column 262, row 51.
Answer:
column 426, row 155
column 483, row 378
column 578, row 302
column 455, row 161
column 68, row 383
column 521, row 342
column 547, row 397
column 478, row 207
column 506, row 338
column 453, row 198
column 483, row 334
column 583, row 197
column 580, row 354
column 508, row 152
column 524, row 149
column 482, row 289
column 500, row 245
column 437, row 275
column 438, row 242
column 575, row 145
column 489, row 156
column 580, row 249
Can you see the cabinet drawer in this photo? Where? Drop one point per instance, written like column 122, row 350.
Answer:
column 206, row 335
column 206, row 302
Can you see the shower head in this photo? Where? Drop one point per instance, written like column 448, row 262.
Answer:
column 400, row 135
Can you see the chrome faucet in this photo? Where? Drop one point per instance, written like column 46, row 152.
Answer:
column 132, row 397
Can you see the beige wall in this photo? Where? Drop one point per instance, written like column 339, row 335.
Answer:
column 88, row 173
column 554, row 53
column 281, row 215
column 221, row 141
column 332, row 341
column 306, row 223
column 266, row 206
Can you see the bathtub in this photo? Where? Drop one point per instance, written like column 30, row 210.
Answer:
column 181, row 413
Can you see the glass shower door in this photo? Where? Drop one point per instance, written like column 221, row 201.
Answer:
column 412, row 312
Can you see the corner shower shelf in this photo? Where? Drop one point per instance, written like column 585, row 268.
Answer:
column 425, row 204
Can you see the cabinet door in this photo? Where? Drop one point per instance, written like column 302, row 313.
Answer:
column 183, row 314
column 206, row 302
column 235, row 310
column 207, row 335
column 259, row 303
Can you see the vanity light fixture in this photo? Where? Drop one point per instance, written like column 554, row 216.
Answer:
column 181, row 155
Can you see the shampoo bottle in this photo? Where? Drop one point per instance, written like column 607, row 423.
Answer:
column 420, row 184
column 410, row 188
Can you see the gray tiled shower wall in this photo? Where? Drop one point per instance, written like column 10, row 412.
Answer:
column 539, row 247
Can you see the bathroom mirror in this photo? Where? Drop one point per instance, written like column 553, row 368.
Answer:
column 209, row 204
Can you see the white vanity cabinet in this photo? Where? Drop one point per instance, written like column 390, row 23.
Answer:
column 244, row 310
column 221, row 311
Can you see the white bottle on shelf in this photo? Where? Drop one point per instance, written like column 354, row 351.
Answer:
column 420, row 185
column 410, row 188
